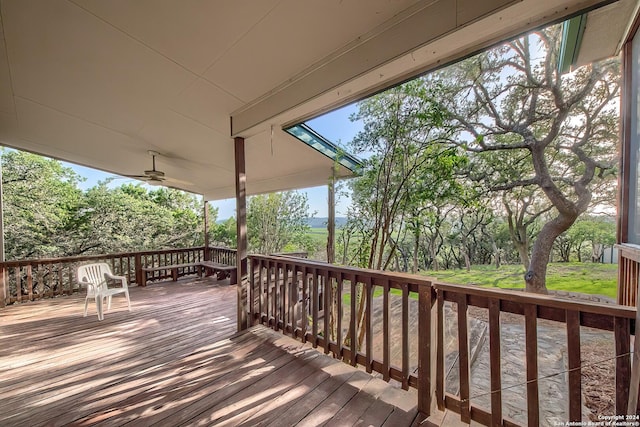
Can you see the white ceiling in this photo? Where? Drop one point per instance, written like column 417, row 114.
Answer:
column 101, row 82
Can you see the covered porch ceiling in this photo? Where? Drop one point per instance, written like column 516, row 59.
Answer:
column 101, row 82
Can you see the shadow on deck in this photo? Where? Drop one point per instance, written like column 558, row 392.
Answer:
column 176, row 360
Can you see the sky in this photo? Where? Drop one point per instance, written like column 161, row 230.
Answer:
column 334, row 126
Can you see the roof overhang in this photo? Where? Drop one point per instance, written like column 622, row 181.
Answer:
column 100, row 83
column 596, row 35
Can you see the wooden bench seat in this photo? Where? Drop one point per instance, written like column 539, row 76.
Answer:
column 222, row 270
column 173, row 268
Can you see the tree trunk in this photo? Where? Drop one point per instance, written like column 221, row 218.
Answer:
column 597, row 249
column 496, row 254
column 416, row 244
column 579, row 252
column 467, row 260
column 523, row 251
column 536, row 275
column 331, row 222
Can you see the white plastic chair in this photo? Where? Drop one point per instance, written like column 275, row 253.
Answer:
column 94, row 277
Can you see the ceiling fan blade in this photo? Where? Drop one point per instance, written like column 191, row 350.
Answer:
column 178, row 181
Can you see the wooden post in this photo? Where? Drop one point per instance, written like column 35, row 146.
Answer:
column 137, row 260
column 331, row 221
column 207, row 256
column 241, row 224
column 427, row 349
column 633, row 388
column 4, row 283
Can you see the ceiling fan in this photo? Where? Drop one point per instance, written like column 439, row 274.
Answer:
column 154, row 176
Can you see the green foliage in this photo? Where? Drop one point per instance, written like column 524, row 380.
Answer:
column 224, row 234
column 41, row 201
column 408, row 171
column 47, row 215
column 277, row 222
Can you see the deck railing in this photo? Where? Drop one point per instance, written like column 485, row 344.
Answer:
column 628, row 273
column 28, row 280
column 315, row 302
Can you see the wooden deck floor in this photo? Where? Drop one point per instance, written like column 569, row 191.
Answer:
column 176, row 360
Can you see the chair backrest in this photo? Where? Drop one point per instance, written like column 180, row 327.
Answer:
column 93, row 273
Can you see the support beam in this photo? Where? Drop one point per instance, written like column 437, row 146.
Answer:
column 4, row 284
column 241, row 224
column 331, row 221
column 207, row 256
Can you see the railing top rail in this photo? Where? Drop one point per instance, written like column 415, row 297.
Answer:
column 222, row 248
column 78, row 258
column 374, row 274
column 540, row 300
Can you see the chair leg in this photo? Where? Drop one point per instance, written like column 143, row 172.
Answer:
column 86, row 304
column 109, row 303
column 126, row 294
column 99, row 303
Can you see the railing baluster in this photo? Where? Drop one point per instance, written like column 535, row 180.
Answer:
column 315, row 297
column 463, row 360
column 60, row 281
column 304, row 305
column 425, row 348
column 280, row 297
column 19, row 284
column 327, row 309
column 261, row 289
column 494, row 362
column 405, row 335
column 440, row 353
column 531, row 338
column 277, row 307
column 293, row 297
column 622, row 334
column 353, row 338
column 252, row 285
column 272, row 293
column 575, row 372
column 368, row 287
column 338, row 298
column 30, row 282
column 386, row 343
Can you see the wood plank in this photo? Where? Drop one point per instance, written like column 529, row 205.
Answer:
column 336, row 400
column 240, row 400
column 359, row 404
column 295, row 396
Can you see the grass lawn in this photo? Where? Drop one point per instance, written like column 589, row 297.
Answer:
column 319, row 235
column 587, row 278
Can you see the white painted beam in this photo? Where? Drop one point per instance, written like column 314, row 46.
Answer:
column 431, row 34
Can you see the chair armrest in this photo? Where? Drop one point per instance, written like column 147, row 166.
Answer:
column 88, row 285
column 122, row 279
